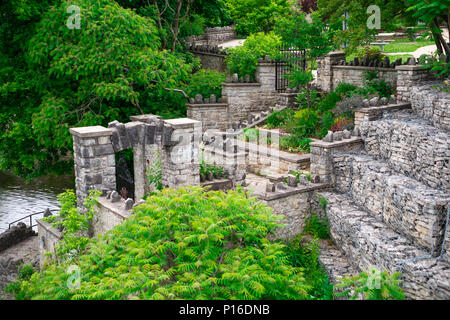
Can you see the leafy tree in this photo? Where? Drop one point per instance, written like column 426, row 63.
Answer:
column 431, row 12
column 54, row 78
column 181, row 244
column 243, row 60
column 252, row 16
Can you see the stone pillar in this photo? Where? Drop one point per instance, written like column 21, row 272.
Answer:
column 265, row 75
column 147, row 155
column 95, row 164
column 407, row 75
column 325, row 70
column 180, row 153
column 322, row 157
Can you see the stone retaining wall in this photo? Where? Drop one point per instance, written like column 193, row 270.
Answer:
column 355, row 75
column 211, row 61
column 49, row 238
column 15, row 235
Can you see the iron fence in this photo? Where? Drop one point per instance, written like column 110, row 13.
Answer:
column 289, row 59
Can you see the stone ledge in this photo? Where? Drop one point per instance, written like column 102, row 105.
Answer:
column 48, row 227
column 336, row 144
column 209, row 53
column 117, row 208
column 207, row 105
column 182, row 123
column 279, row 194
column 364, row 68
column 398, row 106
column 411, row 68
column 91, row 132
column 266, row 151
column 239, row 84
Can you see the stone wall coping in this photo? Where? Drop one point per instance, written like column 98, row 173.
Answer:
column 288, row 94
column 91, row 132
column 117, row 207
column 286, row 156
column 209, row 53
column 207, row 105
column 335, row 144
column 363, row 68
column 407, row 67
column 145, row 118
column 267, row 64
column 49, row 228
column 182, row 123
column 280, row 194
column 239, row 84
column 336, row 54
column 385, row 108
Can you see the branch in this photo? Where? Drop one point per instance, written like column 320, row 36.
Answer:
column 181, row 91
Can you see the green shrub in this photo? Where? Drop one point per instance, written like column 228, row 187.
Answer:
column 304, row 123
column 317, row 227
column 206, row 82
column 313, row 96
column 243, row 60
column 251, row 135
column 372, row 285
column 345, row 89
column 306, row 256
column 369, row 52
column 294, row 143
column 182, row 244
column 279, row 118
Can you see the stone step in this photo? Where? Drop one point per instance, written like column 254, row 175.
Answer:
column 368, row 243
column 411, row 146
column 406, row 205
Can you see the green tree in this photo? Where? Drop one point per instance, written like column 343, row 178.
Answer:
column 252, row 16
column 181, row 244
column 54, row 78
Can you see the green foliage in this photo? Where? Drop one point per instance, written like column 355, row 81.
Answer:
column 371, row 52
column 251, row 135
column 317, row 227
column 153, row 173
column 295, row 143
column 306, row 121
column 323, row 202
column 308, row 98
column 181, row 244
column 370, row 75
column 217, row 172
column 243, row 60
column 372, row 285
column 252, row 16
column 24, row 274
column 314, row 35
column 53, row 78
column 437, row 64
column 277, row 118
column 306, row 256
column 206, row 83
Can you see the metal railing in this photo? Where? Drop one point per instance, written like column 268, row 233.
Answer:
column 30, row 216
column 287, row 61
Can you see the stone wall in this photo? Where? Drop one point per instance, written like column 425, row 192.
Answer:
column 376, row 112
column 431, row 103
column 211, row 61
column 242, row 99
column 15, row 235
column 411, row 146
column 108, row 214
column 407, row 77
column 322, row 157
column 212, row 115
column 49, row 238
column 355, row 75
column 215, row 35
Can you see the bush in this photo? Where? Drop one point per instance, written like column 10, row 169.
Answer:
column 369, row 52
column 294, row 143
column 372, row 285
column 279, row 118
column 182, row 244
column 243, row 60
column 206, row 83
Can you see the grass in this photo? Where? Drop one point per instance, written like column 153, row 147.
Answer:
column 401, row 46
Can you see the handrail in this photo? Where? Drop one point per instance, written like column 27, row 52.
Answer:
column 30, row 216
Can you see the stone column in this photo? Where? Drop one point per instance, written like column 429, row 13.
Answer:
column 322, row 157
column 147, row 154
column 180, row 153
column 325, row 70
column 407, row 75
column 265, row 75
column 95, row 164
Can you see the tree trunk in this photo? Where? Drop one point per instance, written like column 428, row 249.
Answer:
column 177, row 24
column 160, row 26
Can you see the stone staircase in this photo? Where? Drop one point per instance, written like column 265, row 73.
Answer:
column 390, row 205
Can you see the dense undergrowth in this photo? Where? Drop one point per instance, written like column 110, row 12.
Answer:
column 187, row 244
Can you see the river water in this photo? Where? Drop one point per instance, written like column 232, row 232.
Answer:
column 19, row 199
